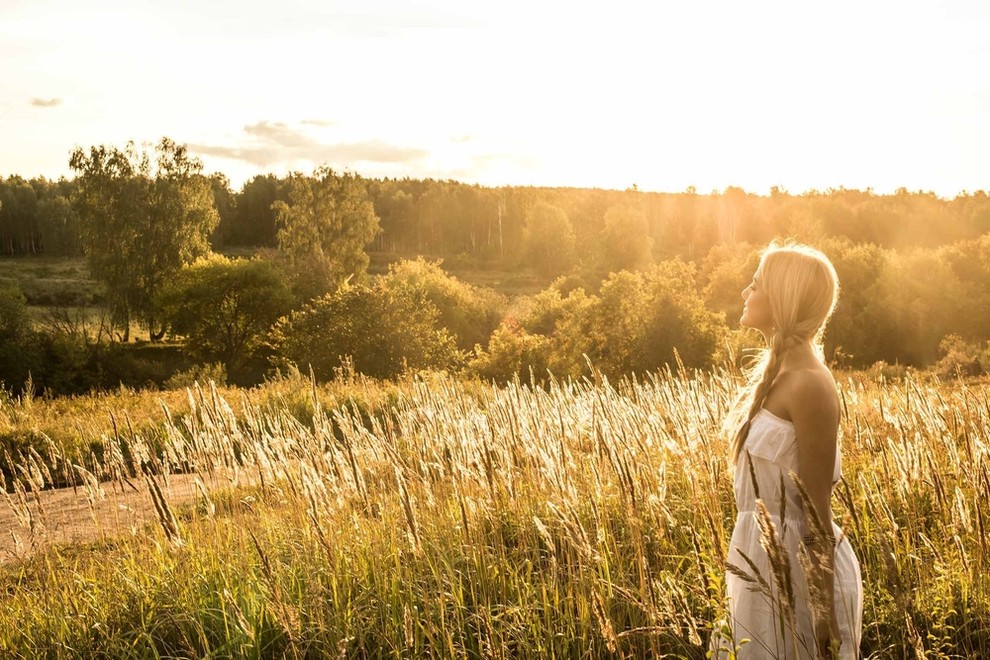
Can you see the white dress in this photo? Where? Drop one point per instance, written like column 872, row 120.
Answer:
column 755, row 614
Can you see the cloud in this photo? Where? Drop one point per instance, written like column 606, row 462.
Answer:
column 279, row 134
column 322, row 123
column 268, row 143
column 46, row 103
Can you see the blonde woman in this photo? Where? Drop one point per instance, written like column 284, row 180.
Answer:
column 793, row 581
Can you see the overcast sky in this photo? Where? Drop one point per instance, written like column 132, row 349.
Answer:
column 664, row 95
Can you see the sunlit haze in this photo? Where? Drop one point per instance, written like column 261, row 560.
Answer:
column 662, row 95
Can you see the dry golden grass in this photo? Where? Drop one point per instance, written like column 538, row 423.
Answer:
column 459, row 519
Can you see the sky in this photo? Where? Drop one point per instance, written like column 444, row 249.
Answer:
column 657, row 94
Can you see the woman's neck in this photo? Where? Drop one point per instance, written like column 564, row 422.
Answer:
column 801, row 356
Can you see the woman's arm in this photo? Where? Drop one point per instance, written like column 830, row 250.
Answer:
column 814, row 411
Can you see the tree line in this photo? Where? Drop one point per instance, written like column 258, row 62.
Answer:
column 634, row 280
column 552, row 228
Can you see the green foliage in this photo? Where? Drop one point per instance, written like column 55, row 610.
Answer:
column 637, row 323
column 549, row 239
column 961, row 358
column 198, row 374
column 324, row 228
column 20, row 350
column 548, row 332
column 226, row 205
column 381, row 332
column 969, row 262
column 141, row 221
column 626, row 242
column 36, row 217
column 566, row 320
column 469, row 313
column 726, row 271
column 925, row 301
column 252, row 221
column 224, row 307
column 18, row 210
column 913, row 267
column 394, row 207
column 862, row 330
column 644, row 320
column 513, row 352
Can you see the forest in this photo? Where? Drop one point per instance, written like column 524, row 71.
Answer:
column 320, row 270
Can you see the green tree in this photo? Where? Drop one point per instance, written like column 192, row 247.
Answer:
column 970, row 262
column 141, row 222
column 626, row 243
column 566, row 321
column 925, row 301
column 549, row 239
column 19, row 348
column 641, row 318
column 324, row 228
column 224, row 307
column 862, row 330
column 396, row 211
column 726, row 271
column 252, row 221
column 58, row 224
column 18, row 210
column 225, row 203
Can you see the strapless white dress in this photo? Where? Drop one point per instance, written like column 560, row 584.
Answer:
column 755, row 615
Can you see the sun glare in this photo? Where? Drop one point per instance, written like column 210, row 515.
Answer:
column 713, row 93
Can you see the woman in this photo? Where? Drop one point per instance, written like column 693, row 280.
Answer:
column 793, row 581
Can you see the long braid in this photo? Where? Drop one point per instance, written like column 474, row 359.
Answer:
column 755, row 394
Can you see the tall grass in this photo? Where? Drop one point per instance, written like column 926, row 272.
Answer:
column 457, row 519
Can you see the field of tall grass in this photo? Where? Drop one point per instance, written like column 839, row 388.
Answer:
column 435, row 517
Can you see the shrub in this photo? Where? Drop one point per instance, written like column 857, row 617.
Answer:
column 513, row 351
column 20, row 346
column 383, row 331
column 639, row 322
column 961, row 358
column 640, row 319
column 469, row 313
column 224, row 307
column 198, row 373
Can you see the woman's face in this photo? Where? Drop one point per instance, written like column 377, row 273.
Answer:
column 756, row 307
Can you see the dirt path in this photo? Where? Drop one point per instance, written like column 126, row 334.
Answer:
column 65, row 515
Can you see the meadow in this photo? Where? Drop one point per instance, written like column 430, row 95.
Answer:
column 441, row 517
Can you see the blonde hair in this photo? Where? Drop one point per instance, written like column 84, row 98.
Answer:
column 802, row 290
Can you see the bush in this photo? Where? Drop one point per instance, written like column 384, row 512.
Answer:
column 513, row 351
column 638, row 322
column 470, row 313
column 640, row 319
column 883, row 372
column 198, row 373
column 961, row 358
column 20, row 346
column 383, row 331
column 224, row 307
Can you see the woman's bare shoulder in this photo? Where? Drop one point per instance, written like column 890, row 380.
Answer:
column 808, row 392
